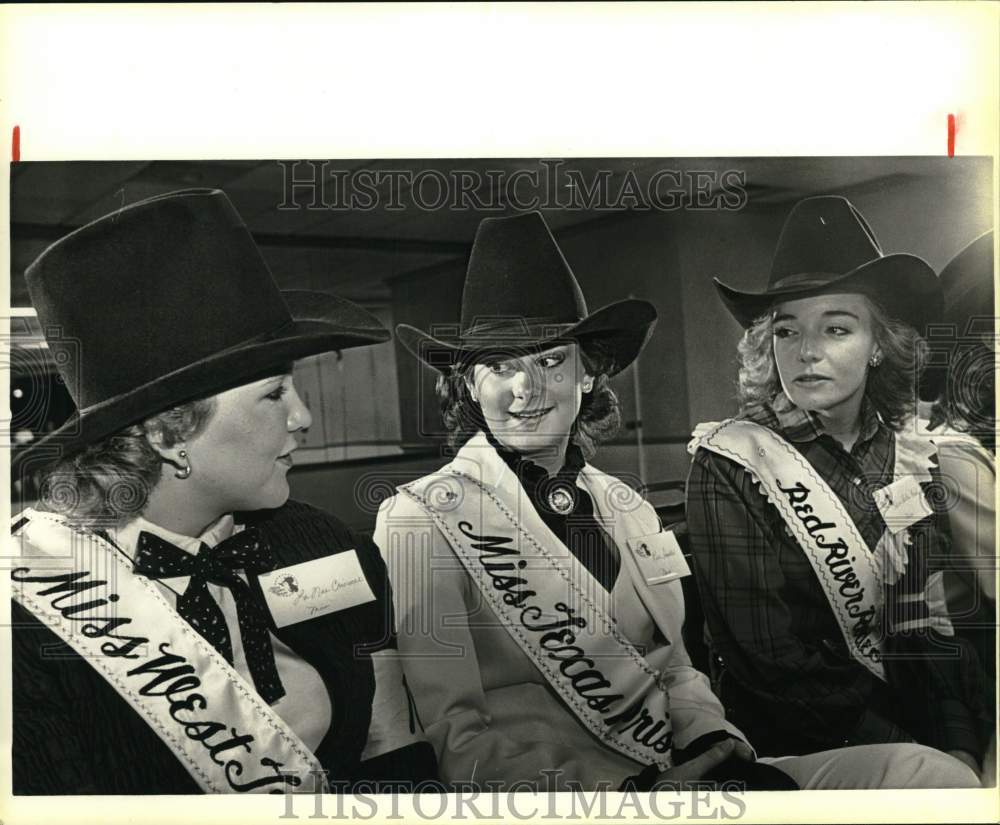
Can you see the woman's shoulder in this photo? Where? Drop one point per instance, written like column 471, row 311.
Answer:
column 618, row 495
column 292, row 512
column 406, row 500
column 308, row 527
column 962, row 451
column 956, row 441
column 709, row 466
column 430, row 484
column 699, row 446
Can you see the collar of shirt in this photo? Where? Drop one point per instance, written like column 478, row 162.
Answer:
column 531, row 474
column 481, row 460
column 801, row 425
column 538, row 483
column 587, row 539
column 127, row 537
column 307, row 704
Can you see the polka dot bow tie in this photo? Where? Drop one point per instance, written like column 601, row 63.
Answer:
column 156, row 558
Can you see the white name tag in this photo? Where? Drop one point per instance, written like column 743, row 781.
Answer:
column 902, row 504
column 659, row 557
column 314, row 588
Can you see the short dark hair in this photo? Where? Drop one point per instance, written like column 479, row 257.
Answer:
column 598, row 420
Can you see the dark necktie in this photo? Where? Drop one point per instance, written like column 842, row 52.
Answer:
column 156, row 558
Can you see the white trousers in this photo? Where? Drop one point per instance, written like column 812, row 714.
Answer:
column 864, row 767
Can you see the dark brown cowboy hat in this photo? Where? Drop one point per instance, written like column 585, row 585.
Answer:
column 520, row 294
column 166, row 301
column 827, row 246
column 969, row 314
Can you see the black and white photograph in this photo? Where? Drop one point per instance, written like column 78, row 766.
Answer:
column 539, row 473
column 456, row 481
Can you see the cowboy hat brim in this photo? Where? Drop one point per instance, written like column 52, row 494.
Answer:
column 320, row 323
column 623, row 328
column 904, row 285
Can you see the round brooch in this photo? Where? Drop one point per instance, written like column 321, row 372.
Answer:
column 560, row 500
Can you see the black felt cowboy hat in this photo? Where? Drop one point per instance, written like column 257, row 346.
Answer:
column 166, row 301
column 519, row 294
column 827, row 246
column 967, row 282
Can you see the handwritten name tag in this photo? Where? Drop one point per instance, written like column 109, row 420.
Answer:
column 902, row 504
column 314, row 588
column 659, row 557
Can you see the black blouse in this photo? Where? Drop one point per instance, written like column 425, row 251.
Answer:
column 574, row 524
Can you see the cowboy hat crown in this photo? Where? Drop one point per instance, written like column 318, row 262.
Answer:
column 520, row 292
column 826, row 245
column 516, row 270
column 968, row 317
column 166, row 301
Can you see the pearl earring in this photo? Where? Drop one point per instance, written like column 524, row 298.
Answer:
column 875, row 360
column 186, row 471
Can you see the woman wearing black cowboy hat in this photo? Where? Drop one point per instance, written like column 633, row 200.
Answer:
column 167, row 637
column 962, row 386
column 816, row 517
column 537, row 599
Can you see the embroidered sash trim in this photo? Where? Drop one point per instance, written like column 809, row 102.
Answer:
column 80, row 587
column 573, row 642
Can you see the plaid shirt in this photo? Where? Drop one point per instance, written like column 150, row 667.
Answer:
column 781, row 664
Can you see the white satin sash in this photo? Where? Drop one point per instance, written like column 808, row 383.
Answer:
column 846, row 568
column 80, row 587
column 537, row 594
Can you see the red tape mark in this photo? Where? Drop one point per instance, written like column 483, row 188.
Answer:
column 951, row 136
column 15, row 146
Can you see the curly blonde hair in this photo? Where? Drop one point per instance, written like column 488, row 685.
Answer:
column 890, row 387
column 108, row 483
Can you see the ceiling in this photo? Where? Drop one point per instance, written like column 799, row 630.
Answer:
column 397, row 224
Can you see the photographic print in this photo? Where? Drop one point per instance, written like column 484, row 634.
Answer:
column 550, row 485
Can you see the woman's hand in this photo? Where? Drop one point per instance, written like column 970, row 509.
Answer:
column 695, row 769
